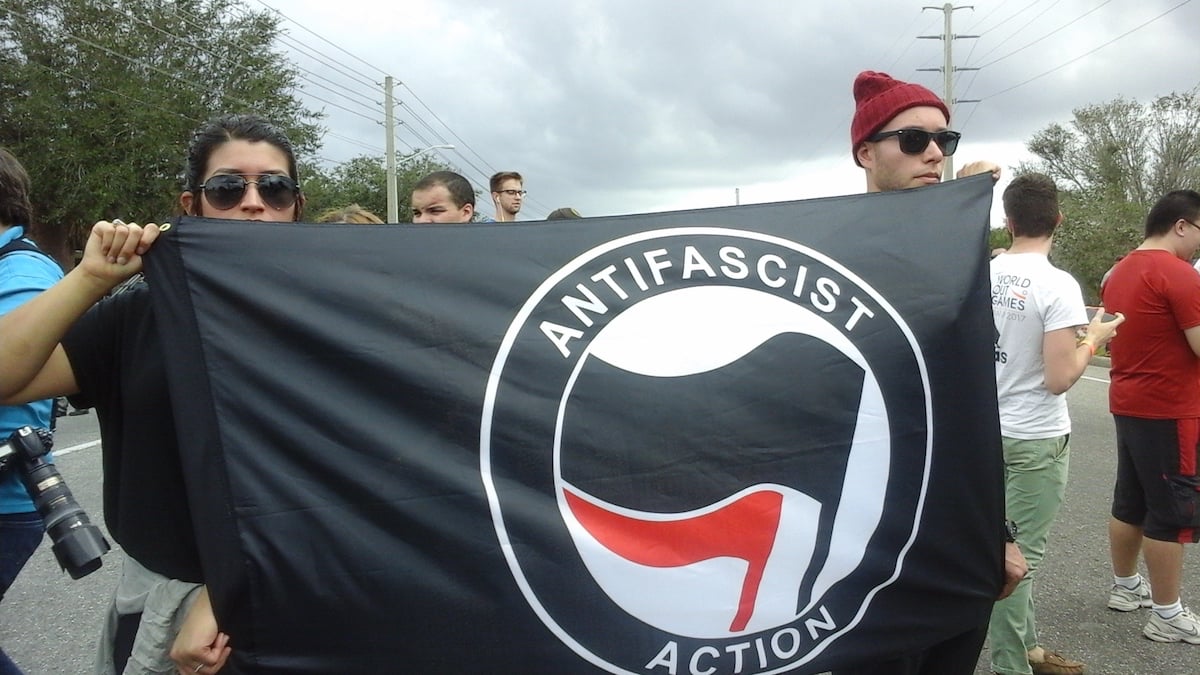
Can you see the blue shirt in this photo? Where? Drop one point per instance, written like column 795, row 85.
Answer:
column 23, row 274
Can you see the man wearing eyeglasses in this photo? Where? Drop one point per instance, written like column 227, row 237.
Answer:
column 1154, row 397
column 507, row 194
column 900, row 135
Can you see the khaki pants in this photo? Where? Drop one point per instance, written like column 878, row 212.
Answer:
column 163, row 604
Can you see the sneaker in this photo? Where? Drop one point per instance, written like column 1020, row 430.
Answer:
column 1184, row 627
column 1126, row 600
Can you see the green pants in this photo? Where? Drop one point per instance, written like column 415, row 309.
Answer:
column 1035, row 478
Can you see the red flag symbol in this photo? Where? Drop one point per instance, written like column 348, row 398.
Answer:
column 745, row 528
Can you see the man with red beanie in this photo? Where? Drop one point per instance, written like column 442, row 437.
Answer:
column 900, row 136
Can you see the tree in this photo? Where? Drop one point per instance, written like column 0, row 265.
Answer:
column 998, row 237
column 100, row 97
column 363, row 181
column 1112, row 163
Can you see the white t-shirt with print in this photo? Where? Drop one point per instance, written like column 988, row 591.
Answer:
column 1030, row 297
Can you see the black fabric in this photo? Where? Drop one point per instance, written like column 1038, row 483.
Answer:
column 390, row 434
column 118, row 362
column 20, row 245
column 958, row 655
column 127, row 628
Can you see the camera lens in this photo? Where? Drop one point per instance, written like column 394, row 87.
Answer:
column 77, row 544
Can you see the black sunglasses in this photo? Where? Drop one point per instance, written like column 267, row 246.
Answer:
column 226, row 190
column 914, row 141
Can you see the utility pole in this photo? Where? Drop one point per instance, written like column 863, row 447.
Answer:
column 948, row 69
column 389, row 144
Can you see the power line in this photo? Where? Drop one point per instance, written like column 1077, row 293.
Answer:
column 844, row 119
column 303, row 73
column 354, row 141
column 1026, row 46
column 124, row 95
column 123, row 57
column 282, row 37
column 975, row 26
column 416, row 117
column 1088, row 53
column 1020, row 28
column 1034, row 42
column 319, row 37
column 143, row 64
column 447, row 126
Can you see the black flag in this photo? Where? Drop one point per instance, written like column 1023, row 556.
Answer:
column 740, row 440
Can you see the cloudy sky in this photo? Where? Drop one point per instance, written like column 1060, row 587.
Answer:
column 628, row 106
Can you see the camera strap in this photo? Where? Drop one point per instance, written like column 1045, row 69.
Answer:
column 21, row 244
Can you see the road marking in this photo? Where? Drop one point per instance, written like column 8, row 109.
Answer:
column 73, row 448
column 1094, row 379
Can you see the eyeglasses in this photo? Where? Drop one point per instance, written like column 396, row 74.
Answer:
column 1190, row 223
column 915, row 141
column 227, row 190
column 513, row 193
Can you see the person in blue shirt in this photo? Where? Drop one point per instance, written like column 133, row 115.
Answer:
column 23, row 274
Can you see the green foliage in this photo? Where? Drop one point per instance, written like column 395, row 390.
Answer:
column 100, row 97
column 1112, row 162
column 998, row 238
column 363, row 181
column 1091, row 237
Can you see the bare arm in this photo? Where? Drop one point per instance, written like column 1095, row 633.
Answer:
column 1064, row 359
column 35, row 365
column 199, row 646
column 1015, row 569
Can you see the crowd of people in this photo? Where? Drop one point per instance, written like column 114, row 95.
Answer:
column 61, row 336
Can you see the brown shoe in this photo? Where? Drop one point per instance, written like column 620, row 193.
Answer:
column 1056, row 664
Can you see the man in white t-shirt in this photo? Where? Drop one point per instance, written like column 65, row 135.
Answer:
column 1037, row 309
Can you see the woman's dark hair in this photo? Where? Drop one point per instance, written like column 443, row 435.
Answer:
column 220, row 131
column 15, row 206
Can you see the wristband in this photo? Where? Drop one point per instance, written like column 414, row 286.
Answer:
column 1091, row 347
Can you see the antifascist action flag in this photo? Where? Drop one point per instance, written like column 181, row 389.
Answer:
column 757, row 439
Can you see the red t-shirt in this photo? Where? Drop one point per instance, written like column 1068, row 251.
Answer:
column 1155, row 374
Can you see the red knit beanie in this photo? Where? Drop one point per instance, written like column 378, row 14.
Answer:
column 878, row 98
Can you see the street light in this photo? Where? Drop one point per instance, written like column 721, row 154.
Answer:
column 393, row 203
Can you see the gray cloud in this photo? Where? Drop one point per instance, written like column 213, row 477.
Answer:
column 616, row 106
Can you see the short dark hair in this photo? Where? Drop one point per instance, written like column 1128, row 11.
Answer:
column 499, row 177
column 15, row 205
column 459, row 188
column 1031, row 205
column 1170, row 208
column 221, row 130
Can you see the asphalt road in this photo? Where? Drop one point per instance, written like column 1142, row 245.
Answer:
column 49, row 622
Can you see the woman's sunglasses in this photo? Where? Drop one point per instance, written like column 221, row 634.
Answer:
column 914, row 141
column 226, row 190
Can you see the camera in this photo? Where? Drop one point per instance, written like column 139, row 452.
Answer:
column 77, row 544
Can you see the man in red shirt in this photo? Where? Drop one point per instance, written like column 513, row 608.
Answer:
column 1155, row 401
